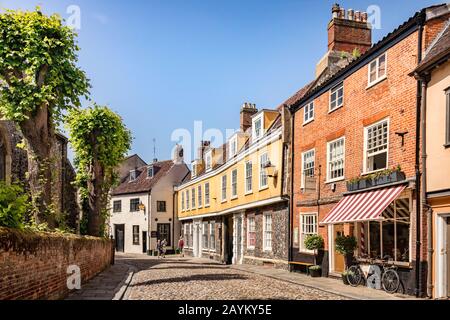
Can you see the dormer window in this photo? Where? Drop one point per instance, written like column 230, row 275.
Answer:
column 208, row 160
column 258, row 127
column 133, row 175
column 150, row 172
column 232, row 147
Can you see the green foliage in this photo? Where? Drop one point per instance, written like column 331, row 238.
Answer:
column 315, row 268
column 97, row 134
column 314, row 242
column 377, row 174
column 14, row 206
column 38, row 56
column 345, row 245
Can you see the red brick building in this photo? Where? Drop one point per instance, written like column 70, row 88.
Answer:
column 356, row 168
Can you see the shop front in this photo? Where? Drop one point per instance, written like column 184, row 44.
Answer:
column 380, row 222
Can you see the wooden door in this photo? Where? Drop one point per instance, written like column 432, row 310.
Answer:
column 339, row 260
column 144, row 241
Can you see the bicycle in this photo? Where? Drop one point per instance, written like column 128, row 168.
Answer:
column 390, row 279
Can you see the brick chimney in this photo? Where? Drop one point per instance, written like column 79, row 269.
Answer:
column 201, row 150
column 349, row 30
column 247, row 111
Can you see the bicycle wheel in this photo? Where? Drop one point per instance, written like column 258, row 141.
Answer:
column 390, row 281
column 354, row 276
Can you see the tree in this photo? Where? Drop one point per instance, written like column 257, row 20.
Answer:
column 39, row 81
column 100, row 141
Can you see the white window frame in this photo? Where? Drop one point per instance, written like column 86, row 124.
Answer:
column 248, row 191
column 199, row 197
column 329, row 180
column 133, row 175
column 303, row 177
column 306, row 111
column 265, row 246
column 302, row 234
column 212, row 235
column 224, row 188
column 207, row 195
column 193, row 199
column 378, row 78
column 205, row 235
column 365, row 155
column 234, row 184
column 152, row 170
column 263, row 171
column 259, row 117
column 183, row 204
column 208, row 161
column 249, row 219
column 194, row 169
column 336, row 90
column 187, row 200
column 233, row 147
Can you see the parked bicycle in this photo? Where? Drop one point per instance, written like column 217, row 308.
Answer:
column 390, row 280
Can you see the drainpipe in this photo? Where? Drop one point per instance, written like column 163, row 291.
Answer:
column 423, row 111
column 417, row 166
column 291, row 200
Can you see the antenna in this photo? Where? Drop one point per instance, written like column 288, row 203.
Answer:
column 154, row 151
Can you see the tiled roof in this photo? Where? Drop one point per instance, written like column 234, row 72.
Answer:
column 142, row 183
column 439, row 49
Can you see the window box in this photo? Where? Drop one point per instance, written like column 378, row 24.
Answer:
column 377, row 179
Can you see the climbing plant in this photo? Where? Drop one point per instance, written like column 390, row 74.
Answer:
column 100, row 141
column 39, row 81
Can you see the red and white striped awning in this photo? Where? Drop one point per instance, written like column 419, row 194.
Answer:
column 365, row 206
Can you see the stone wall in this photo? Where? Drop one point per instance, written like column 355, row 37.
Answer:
column 35, row 266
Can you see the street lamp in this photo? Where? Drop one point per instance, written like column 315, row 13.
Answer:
column 272, row 172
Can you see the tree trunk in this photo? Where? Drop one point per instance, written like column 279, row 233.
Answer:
column 39, row 136
column 95, row 186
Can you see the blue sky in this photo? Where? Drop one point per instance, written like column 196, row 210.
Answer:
column 164, row 64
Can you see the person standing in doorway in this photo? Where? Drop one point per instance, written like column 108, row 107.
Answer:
column 158, row 248
column 163, row 245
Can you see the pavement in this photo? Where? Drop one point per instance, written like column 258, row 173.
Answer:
column 141, row 277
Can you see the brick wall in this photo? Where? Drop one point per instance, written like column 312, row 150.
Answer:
column 34, row 266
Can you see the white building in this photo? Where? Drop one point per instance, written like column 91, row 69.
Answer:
column 142, row 205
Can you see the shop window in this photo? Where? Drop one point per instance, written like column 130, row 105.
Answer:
column 308, row 226
column 388, row 239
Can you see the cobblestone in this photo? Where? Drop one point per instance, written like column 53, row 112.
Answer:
column 193, row 279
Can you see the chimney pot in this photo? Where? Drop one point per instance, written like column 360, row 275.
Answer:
column 342, row 13
column 350, row 14
column 357, row 16
column 364, row 17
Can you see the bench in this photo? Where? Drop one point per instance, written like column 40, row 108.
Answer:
column 304, row 264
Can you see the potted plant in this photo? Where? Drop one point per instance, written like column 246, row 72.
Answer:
column 346, row 246
column 315, row 271
column 365, row 183
column 314, row 242
column 397, row 175
column 352, row 185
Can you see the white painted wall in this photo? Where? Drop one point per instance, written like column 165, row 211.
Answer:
column 130, row 219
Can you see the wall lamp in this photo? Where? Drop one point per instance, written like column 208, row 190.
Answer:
column 272, row 172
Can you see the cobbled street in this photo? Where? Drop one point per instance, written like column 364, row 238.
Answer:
column 176, row 278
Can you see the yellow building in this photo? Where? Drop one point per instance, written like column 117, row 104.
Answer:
column 434, row 70
column 234, row 208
